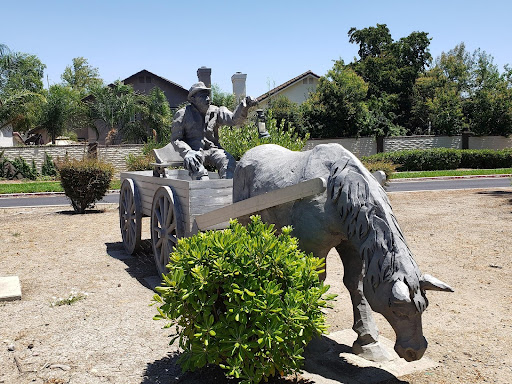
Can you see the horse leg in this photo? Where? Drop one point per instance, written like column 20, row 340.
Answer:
column 366, row 344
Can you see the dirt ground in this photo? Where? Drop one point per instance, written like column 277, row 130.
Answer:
column 461, row 237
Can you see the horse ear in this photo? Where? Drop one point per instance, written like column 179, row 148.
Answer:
column 400, row 292
column 428, row 282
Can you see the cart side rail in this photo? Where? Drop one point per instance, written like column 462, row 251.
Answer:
column 260, row 202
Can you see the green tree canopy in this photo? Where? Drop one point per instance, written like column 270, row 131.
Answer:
column 81, row 76
column 390, row 68
column 21, row 89
column 337, row 108
column 61, row 110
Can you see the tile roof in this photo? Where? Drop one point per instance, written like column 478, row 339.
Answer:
column 286, row 85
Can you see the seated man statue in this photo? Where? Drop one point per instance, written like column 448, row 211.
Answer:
column 195, row 133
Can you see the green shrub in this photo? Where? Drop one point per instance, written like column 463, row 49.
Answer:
column 85, row 181
column 48, row 168
column 238, row 140
column 243, row 298
column 422, row 159
column 486, row 159
column 374, row 165
column 26, row 171
column 139, row 162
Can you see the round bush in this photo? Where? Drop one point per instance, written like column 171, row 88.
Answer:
column 243, row 298
column 85, row 181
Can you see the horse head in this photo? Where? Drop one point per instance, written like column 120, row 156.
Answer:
column 402, row 306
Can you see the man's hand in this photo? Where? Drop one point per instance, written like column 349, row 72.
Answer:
column 193, row 160
column 249, row 101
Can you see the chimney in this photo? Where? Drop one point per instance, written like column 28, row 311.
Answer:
column 238, row 80
column 205, row 75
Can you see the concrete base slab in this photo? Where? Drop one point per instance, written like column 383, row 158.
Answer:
column 329, row 360
column 10, row 288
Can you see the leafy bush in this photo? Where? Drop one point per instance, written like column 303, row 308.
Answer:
column 243, row 298
column 48, row 168
column 139, row 162
column 374, row 165
column 85, row 181
column 26, row 171
column 238, row 140
column 422, row 159
column 444, row 158
column 486, row 159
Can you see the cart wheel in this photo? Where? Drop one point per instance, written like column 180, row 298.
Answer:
column 130, row 216
column 166, row 226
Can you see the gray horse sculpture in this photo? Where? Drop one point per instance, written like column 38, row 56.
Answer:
column 354, row 216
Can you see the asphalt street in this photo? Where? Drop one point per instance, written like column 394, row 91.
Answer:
column 34, row 200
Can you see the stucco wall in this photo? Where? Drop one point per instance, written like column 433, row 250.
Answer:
column 421, row 142
column 366, row 146
column 490, row 142
column 363, row 146
column 115, row 155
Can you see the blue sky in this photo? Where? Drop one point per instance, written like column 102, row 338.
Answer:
column 270, row 41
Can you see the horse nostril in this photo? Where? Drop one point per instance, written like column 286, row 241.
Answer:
column 410, row 355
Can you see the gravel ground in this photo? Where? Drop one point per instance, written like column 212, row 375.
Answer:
column 108, row 336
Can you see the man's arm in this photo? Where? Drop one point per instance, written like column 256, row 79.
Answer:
column 239, row 115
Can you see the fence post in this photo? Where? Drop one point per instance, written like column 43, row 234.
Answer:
column 380, row 144
column 465, row 138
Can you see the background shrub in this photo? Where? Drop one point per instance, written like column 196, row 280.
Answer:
column 48, row 168
column 486, row 159
column 444, row 158
column 85, row 181
column 244, row 299
column 387, row 166
column 238, row 140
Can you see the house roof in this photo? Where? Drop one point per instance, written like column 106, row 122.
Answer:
column 145, row 71
column 142, row 72
column 286, row 85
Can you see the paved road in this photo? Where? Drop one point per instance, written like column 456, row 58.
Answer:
column 48, row 200
column 394, row 186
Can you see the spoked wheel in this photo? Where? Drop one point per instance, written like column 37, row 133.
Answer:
column 166, row 226
column 130, row 216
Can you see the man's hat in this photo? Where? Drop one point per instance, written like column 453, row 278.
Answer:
column 197, row 87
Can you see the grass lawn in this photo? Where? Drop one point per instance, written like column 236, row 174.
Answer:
column 452, row 172
column 39, row 186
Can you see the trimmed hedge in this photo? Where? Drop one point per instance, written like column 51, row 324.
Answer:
column 85, row 181
column 445, row 158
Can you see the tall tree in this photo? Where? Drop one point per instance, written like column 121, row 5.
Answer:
column 117, row 105
column 390, row 68
column 61, row 110
column 337, row 108
column 21, row 89
column 156, row 115
column 81, row 76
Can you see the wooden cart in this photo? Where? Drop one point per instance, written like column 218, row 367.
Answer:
column 179, row 206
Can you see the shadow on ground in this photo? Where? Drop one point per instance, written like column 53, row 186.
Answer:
column 499, row 194
column 328, row 366
column 140, row 265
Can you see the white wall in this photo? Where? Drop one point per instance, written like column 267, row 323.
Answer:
column 6, row 137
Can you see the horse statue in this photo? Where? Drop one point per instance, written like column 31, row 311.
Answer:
column 354, row 216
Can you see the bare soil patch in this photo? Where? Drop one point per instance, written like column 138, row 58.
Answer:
column 461, row 237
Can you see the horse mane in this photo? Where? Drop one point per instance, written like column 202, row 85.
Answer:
column 371, row 226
